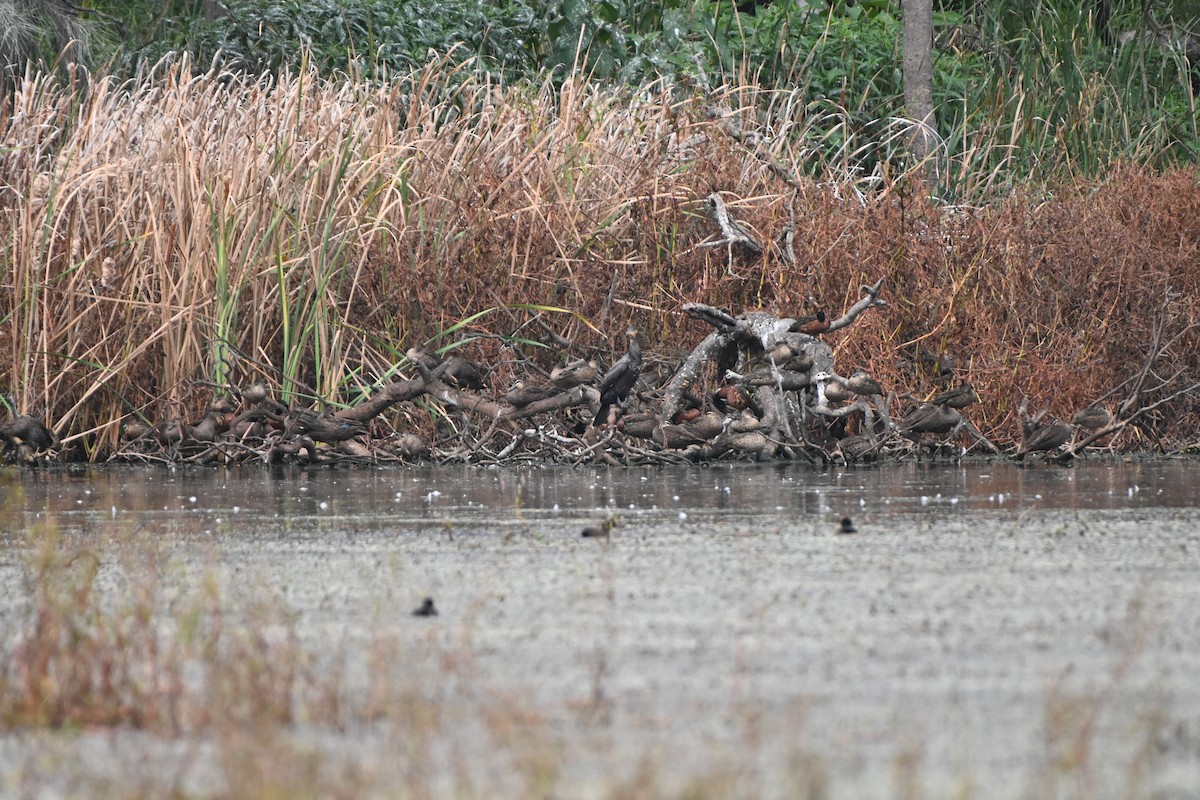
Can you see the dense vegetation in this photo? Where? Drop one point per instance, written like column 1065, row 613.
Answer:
column 1066, row 92
column 194, row 227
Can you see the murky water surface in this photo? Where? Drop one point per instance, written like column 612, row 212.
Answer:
column 992, row 631
column 389, row 497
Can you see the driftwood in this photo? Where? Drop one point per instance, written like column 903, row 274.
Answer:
column 759, row 332
column 773, row 392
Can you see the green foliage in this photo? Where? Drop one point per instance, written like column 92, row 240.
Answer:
column 1019, row 85
column 360, row 37
column 39, row 33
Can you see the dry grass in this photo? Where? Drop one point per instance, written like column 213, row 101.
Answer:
column 181, row 232
column 224, row 682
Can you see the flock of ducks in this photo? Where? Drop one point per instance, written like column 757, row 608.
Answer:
column 931, row 422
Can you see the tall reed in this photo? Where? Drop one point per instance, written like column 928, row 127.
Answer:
column 180, row 231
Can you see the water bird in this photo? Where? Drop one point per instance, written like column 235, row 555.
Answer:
column 1047, row 437
column 731, row 398
column 790, row 355
column 256, row 393
column 619, row 380
column 523, row 394
column 847, row 526
column 836, row 391
column 959, row 397
column 574, row 373
column 1093, row 418
column 426, row 609
column 814, row 325
column 207, row 429
column 602, row 530
column 28, row 431
column 133, row 429
column 861, row 383
column 420, row 354
column 324, row 427
column 455, row 371
column 461, row 374
column 931, row 418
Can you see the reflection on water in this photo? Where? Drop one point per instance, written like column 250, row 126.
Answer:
column 463, row 494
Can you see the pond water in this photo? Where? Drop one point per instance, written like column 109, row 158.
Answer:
column 392, row 496
column 992, row 631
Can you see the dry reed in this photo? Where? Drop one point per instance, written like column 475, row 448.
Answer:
column 171, row 235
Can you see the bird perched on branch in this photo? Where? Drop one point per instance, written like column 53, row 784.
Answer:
column 619, row 380
column 836, row 390
column 930, row 418
column 1093, row 418
column 324, row 427
column 814, row 325
column 522, row 394
column 959, row 397
column 862, row 384
column 454, row 371
column 574, row 373
column 731, row 398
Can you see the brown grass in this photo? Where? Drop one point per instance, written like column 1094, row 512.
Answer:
column 256, row 712
column 182, row 232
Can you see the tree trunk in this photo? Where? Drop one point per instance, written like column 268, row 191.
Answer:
column 214, row 10
column 918, row 81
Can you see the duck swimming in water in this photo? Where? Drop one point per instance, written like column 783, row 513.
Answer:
column 426, row 609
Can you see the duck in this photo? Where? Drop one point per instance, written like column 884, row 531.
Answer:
column 861, row 383
column 1093, row 418
column 959, row 397
column 574, row 373
column 931, row 418
column 620, row 379
column 426, row 609
column 816, row 324
column 523, row 394
column 28, row 431
column 324, row 427
column 461, row 373
column 602, row 530
column 731, row 398
column 836, row 391
column 1047, row 437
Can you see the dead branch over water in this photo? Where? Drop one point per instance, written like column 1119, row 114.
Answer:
column 172, row 241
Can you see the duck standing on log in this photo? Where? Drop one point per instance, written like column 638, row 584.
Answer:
column 619, row 380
